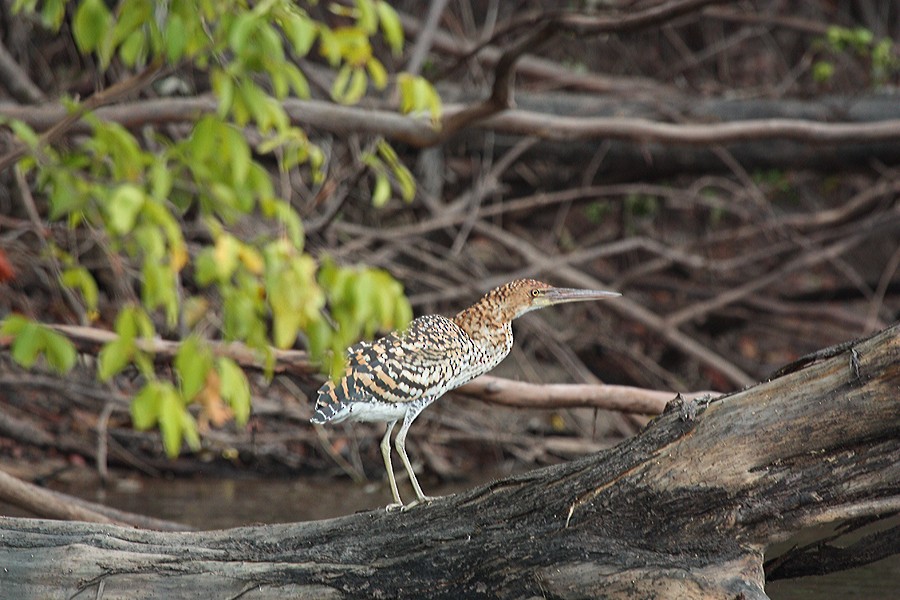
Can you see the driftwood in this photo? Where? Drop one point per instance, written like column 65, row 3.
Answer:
column 685, row 509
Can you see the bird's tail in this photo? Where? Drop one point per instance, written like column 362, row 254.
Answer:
column 332, row 402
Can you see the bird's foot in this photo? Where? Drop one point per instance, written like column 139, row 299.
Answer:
column 395, row 506
column 418, row 501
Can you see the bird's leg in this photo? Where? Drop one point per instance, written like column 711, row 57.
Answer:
column 400, row 443
column 386, row 454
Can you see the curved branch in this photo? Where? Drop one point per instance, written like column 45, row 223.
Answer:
column 492, row 389
column 520, row 394
column 419, row 133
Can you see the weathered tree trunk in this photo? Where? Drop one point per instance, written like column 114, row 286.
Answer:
column 683, row 510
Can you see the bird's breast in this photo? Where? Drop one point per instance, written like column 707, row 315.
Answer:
column 489, row 350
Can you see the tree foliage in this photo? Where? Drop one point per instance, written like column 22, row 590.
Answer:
column 142, row 194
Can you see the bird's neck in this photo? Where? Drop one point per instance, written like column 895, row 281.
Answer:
column 486, row 319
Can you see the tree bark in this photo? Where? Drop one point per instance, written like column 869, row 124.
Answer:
column 685, row 510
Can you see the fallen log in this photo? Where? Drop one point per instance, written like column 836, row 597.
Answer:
column 685, row 509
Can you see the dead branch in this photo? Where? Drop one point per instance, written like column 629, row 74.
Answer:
column 489, row 388
column 417, row 132
column 55, row 505
column 557, row 396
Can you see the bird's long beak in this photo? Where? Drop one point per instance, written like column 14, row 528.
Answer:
column 560, row 295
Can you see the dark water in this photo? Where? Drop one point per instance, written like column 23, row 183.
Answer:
column 217, row 504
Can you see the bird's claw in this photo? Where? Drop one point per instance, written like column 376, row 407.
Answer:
column 397, row 506
column 418, row 501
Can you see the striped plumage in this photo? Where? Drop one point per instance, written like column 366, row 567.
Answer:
column 399, row 375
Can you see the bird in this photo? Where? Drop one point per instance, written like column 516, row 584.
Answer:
column 399, row 375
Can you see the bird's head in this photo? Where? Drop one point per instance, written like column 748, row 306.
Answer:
column 525, row 295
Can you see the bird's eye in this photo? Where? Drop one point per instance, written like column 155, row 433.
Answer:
column 535, row 292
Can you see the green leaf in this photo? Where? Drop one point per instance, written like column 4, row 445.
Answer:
column 242, row 31
column 340, row 84
column 193, row 362
column 123, row 208
column 52, row 14
column 382, row 192
column 13, row 325
column 176, row 38
column 90, row 25
column 59, row 351
column 329, row 46
column 158, row 289
column 114, row 357
column 301, row 31
column 349, row 85
column 27, row 346
column 189, row 430
column 822, row 71
column 377, row 73
column 417, row 94
column 133, row 322
column 171, row 419
column 80, row 278
column 161, row 180
column 223, row 89
column 297, row 80
column 366, row 16
column 225, row 256
column 390, row 26
column 318, row 334
column 145, row 406
column 235, row 388
column 134, row 49
column 22, row 131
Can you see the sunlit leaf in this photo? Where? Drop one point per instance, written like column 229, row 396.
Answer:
column 134, row 49
column 13, row 325
column 223, row 88
column 171, row 418
column 80, row 278
column 123, row 207
column 91, row 22
column 52, row 13
column 176, row 38
column 192, row 363
column 390, row 26
column 189, row 431
column 242, row 30
column 382, row 192
column 27, row 346
column 114, row 357
column 377, row 73
column 59, row 351
column 329, row 46
column 341, row 81
column 301, row 31
column 366, row 16
column 145, row 406
column 297, row 80
column 235, row 388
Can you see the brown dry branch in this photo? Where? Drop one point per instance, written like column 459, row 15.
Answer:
column 55, row 505
column 418, row 132
column 66, row 120
column 537, row 68
column 560, row 395
column 16, row 81
column 492, row 389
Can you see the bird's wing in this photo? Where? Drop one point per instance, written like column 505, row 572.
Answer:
column 429, row 357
